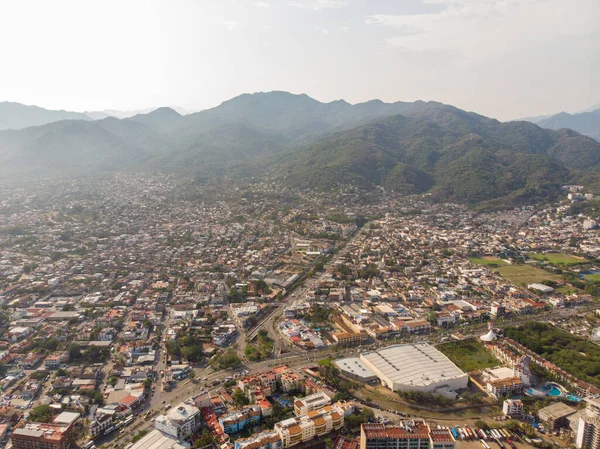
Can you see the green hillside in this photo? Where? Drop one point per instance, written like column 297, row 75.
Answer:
column 457, row 156
column 409, row 148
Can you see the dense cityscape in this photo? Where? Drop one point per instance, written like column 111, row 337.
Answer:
column 150, row 312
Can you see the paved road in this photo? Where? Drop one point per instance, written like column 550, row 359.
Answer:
column 270, row 322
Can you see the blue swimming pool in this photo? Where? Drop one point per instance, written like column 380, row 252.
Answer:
column 553, row 391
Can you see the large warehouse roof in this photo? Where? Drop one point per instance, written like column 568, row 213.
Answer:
column 354, row 367
column 413, row 365
column 158, row 440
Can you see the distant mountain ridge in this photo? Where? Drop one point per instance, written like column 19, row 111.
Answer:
column 19, row 116
column 99, row 115
column 587, row 123
column 408, row 147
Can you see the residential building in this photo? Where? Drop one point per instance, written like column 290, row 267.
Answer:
column 311, row 402
column 343, row 442
column 180, row 422
column 410, row 435
column 512, row 408
column 265, row 440
column 98, row 424
column 237, row 421
column 42, row 436
column 588, row 432
column 503, row 387
column 313, row 424
column 350, row 338
column 54, row 360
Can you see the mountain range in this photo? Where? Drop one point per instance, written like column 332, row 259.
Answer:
column 19, row 116
column 409, row 147
column 587, row 123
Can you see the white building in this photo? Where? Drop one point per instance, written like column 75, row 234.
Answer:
column 180, row 422
column 540, row 287
column 512, row 408
column 99, row 423
column 415, row 367
column 18, row 333
column 588, row 432
column 158, row 440
column 264, row 440
column 311, row 402
column 314, row 424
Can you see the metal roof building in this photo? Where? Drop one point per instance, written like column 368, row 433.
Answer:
column 158, row 440
column 352, row 367
column 416, row 367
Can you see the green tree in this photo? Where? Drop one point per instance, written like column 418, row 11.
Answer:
column 228, row 359
column 74, row 351
column 480, row 423
column 41, row 413
column 205, row 439
column 239, row 398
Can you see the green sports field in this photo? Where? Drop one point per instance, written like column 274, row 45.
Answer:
column 526, row 274
column 558, row 258
column 468, row 355
column 488, row 261
column 592, row 277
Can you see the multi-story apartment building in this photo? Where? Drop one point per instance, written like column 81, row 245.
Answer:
column 350, row 338
column 410, row 435
column 98, row 424
column 54, row 360
column 311, row 402
column 264, row 440
column 290, row 382
column 42, row 436
column 312, row 424
column 180, row 422
column 588, row 433
column 512, row 408
column 503, row 387
column 237, row 421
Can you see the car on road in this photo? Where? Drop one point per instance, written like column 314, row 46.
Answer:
column 164, row 402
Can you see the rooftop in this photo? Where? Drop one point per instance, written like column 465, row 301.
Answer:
column 555, row 411
column 354, row 366
column 413, row 364
column 157, row 440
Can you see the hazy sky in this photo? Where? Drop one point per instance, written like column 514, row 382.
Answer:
column 502, row 58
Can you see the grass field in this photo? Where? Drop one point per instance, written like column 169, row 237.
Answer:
column 566, row 290
column 526, row 274
column 558, row 258
column 593, row 277
column 487, row 261
column 468, row 355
